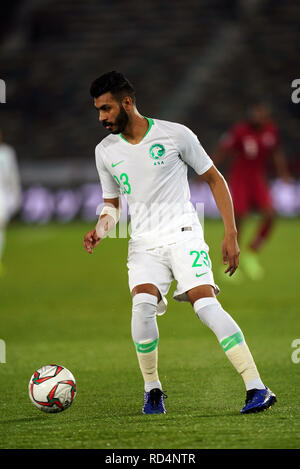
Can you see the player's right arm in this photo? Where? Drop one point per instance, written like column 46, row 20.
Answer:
column 281, row 165
column 106, row 222
column 111, row 211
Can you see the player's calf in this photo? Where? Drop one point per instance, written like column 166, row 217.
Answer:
column 145, row 336
column 233, row 343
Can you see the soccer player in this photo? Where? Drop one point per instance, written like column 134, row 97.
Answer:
column 147, row 160
column 250, row 145
column 10, row 190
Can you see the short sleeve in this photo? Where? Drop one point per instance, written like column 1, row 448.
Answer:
column 191, row 150
column 110, row 188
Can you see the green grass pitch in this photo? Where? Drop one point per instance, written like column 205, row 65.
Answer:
column 61, row 305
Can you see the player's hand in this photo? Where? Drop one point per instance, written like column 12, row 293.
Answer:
column 231, row 252
column 91, row 240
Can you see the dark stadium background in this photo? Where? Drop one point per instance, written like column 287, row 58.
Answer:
column 198, row 62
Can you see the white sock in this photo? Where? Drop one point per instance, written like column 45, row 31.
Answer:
column 145, row 336
column 152, row 385
column 231, row 338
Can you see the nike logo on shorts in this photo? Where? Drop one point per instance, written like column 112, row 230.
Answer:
column 200, row 275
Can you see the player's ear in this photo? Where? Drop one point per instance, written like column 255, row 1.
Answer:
column 127, row 102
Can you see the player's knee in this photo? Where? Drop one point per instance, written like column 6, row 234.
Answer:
column 269, row 212
column 212, row 314
column 143, row 322
column 273, row 214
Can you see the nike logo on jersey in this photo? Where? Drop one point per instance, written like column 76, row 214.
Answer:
column 116, row 164
column 200, row 275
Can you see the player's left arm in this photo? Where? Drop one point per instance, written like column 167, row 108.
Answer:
column 193, row 154
column 220, row 191
column 281, row 165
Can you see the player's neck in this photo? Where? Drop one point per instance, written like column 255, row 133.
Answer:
column 136, row 128
column 258, row 125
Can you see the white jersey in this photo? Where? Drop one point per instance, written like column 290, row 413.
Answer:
column 153, row 177
column 10, row 189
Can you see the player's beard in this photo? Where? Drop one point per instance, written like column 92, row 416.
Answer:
column 120, row 122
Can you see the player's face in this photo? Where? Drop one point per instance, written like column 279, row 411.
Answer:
column 259, row 115
column 112, row 114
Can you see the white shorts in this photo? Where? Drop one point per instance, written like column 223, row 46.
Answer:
column 186, row 261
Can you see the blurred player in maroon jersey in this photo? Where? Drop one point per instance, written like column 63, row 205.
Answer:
column 251, row 145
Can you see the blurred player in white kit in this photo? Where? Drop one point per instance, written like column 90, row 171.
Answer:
column 10, row 190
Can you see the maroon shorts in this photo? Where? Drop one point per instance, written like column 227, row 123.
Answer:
column 250, row 194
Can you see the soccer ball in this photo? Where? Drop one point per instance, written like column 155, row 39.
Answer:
column 52, row 388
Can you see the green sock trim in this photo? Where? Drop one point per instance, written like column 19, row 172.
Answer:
column 232, row 341
column 146, row 348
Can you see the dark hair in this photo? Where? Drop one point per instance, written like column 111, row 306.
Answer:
column 115, row 83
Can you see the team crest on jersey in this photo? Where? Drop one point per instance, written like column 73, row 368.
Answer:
column 157, row 152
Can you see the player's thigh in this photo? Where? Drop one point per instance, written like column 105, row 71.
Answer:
column 192, row 268
column 148, row 272
column 262, row 198
column 268, row 212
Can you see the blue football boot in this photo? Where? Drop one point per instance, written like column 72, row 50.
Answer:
column 258, row 400
column 154, row 402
